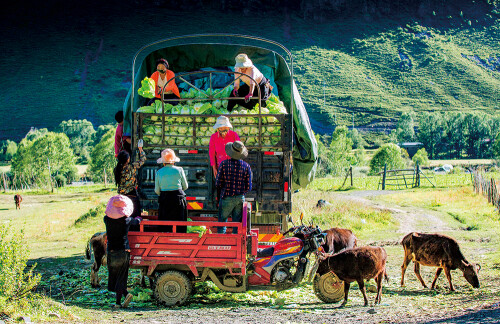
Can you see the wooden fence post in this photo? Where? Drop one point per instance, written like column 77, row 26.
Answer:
column 418, row 176
column 350, row 171
column 383, row 176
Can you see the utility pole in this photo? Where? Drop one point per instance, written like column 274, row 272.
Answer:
column 353, row 121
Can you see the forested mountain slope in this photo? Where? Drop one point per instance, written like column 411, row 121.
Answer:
column 364, row 59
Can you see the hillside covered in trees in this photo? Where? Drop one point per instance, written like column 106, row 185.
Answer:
column 356, row 62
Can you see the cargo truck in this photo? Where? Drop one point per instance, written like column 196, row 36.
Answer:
column 282, row 147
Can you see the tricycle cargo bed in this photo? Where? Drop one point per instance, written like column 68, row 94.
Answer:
column 155, row 250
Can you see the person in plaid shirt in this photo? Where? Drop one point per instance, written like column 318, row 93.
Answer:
column 234, row 179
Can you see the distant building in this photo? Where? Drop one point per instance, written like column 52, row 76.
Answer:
column 411, row 147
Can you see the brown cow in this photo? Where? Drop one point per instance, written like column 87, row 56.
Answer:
column 440, row 251
column 337, row 239
column 357, row 264
column 17, row 201
column 98, row 244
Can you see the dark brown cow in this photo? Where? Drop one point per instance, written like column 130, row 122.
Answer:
column 440, row 251
column 17, row 201
column 97, row 244
column 357, row 264
column 338, row 239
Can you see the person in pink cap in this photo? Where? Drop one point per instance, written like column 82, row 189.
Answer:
column 118, row 222
column 218, row 141
column 170, row 183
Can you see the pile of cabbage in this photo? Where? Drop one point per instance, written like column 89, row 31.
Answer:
column 180, row 120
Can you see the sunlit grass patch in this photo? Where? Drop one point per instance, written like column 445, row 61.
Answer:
column 339, row 213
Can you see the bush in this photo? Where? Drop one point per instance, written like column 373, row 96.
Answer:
column 15, row 281
column 60, row 180
column 421, row 158
column 389, row 154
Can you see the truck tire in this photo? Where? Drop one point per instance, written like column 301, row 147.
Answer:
column 172, row 288
column 328, row 287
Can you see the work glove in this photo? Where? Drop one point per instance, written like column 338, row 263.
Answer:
column 247, row 97
column 235, row 92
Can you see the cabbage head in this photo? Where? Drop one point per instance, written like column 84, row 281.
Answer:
column 170, row 140
column 147, row 89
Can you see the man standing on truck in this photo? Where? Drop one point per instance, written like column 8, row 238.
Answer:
column 234, row 179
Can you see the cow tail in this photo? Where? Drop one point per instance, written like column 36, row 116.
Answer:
column 386, row 276
column 88, row 251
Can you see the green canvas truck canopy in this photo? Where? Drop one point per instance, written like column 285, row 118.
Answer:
column 197, row 56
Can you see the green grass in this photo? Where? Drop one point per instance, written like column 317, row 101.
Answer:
column 57, row 245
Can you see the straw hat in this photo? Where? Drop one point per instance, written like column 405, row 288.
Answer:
column 222, row 121
column 242, row 61
column 119, row 206
column 168, row 156
column 236, row 150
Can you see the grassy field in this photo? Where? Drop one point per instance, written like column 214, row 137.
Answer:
column 57, row 246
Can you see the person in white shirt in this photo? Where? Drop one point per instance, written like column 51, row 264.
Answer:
column 249, row 87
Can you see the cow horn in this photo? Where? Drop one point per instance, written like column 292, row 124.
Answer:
column 478, row 266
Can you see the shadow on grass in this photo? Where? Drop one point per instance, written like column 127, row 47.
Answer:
column 481, row 316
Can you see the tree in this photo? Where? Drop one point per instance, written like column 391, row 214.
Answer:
column 340, row 151
column 421, row 158
column 455, row 130
column 7, row 149
column 103, row 157
column 81, row 135
column 405, row 128
column 478, row 130
column 431, row 133
column 389, row 154
column 100, row 132
column 34, row 133
column 358, row 141
column 48, row 155
column 496, row 147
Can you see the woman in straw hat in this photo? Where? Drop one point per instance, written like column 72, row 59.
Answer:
column 248, row 89
column 117, row 223
column 218, row 141
column 170, row 183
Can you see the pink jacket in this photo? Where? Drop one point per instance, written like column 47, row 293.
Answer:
column 217, row 145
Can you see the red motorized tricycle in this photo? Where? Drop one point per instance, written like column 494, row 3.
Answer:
column 175, row 261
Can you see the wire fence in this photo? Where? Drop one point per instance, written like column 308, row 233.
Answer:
column 488, row 187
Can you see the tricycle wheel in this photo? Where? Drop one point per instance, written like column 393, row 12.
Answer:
column 172, row 288
column 328, row 287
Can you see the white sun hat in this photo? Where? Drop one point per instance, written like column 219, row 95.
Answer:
column 242, row 61
column 222, row 121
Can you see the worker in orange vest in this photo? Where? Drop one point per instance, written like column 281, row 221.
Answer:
column 161, row 77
